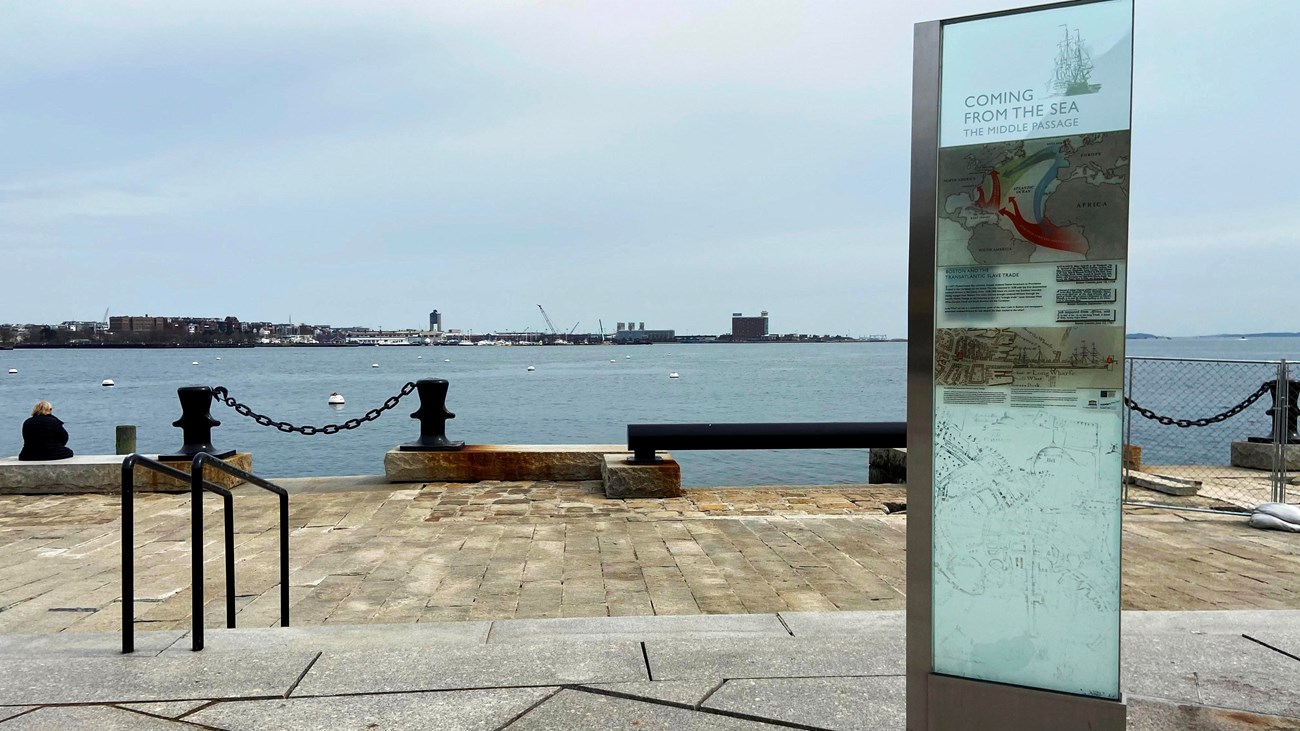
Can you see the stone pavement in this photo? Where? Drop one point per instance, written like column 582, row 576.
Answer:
column 1209, row 671
column 424, row 553
column 378, row 571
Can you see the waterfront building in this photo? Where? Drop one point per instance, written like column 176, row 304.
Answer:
column 435, row 321
column 120, row 324
column 627, row 335
column 748, row 328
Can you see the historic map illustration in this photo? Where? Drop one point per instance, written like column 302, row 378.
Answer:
column 1026, row 542
column 1057, row 199
column 1083, row 356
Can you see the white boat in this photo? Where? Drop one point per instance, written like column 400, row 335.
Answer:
column 13, row 371
column 336, row 399
column 107, row 382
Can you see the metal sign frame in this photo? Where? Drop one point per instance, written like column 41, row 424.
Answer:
column 937, row 701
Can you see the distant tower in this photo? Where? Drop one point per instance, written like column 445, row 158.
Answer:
column 435, row 321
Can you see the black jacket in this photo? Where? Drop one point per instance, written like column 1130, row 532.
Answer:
column 44, row 438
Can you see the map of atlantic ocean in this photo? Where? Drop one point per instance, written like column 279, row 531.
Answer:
column 1044, row 200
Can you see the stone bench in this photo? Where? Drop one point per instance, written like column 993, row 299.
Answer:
column 101, row 473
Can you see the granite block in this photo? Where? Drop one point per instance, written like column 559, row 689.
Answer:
column 339, row 637
column 100, row 718
column 1146, row 714
column 465, row 710
column 680, row 692
column 571, row 709
column 460, row 667
column 1216, row 670
column 1259, row 455
column 1220, row 622
column 129, row 679
column 1283, row 635
column 148, row 480
column 101, row 473
column 637, row 629
column 652, row 480
column 843, row 704
column 7, row 712
column 477, row 462
column 168, row 709
column 838, row 624
column 105, row 644
column 775, row 658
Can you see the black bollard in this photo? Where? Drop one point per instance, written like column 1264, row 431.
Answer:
column 433, row 416
column 1290, row 413
column 196, row 424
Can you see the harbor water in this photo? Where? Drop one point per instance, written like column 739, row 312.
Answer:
column 573, row 395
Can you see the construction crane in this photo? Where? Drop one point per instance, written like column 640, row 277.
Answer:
column 548, row 321
column 575, row 327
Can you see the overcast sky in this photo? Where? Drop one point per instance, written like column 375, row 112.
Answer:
column 361, row 163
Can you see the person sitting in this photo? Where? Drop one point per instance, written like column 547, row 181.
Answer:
column 44, row 437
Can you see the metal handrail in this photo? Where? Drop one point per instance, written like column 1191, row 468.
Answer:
column 128, row 539
column 197, row 483
column 644, row 439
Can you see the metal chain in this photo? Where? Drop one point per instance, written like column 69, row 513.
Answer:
column 1184, row 423
column 222, row 394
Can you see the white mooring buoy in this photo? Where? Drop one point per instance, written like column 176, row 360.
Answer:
column 531, row 368
column 336, row 399
column 628, row 357
column 13, row 371
column 673, row 375
column 419, row 357
column 374, row 365
column 446, row 360
column 194, row 362
column 219, row 357
column 611, row 360
column 107, row 382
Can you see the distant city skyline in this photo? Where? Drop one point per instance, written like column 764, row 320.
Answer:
column 360, row 163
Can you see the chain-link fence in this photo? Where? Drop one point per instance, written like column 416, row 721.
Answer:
column 1200, row 434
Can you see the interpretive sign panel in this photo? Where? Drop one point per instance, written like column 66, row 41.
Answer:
column 1031, row 243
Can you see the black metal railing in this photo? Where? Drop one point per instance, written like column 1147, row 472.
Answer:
column 128, row 538
column 643, row 440
column 197, row 485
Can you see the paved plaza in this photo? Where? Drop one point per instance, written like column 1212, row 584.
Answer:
column 548, row 606
column 841, row 671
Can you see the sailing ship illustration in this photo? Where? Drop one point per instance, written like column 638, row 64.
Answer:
column 1073, row 67
column 1086, row 357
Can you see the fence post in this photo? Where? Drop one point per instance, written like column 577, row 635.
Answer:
column 1128, row 431
column 1281, row 432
